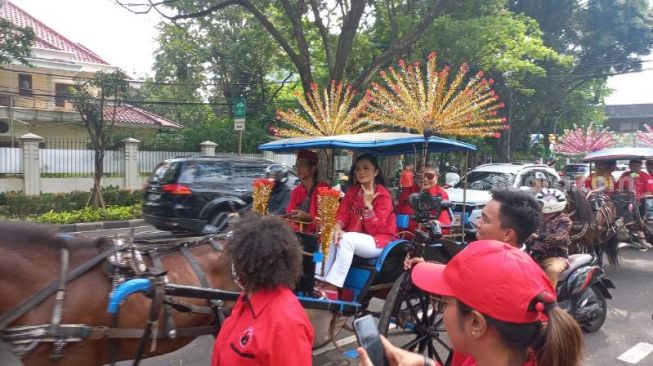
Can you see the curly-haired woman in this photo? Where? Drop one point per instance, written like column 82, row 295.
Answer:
column 267, row 320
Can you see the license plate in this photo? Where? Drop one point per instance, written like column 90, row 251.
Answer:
column 153, row 196
column 457, row 219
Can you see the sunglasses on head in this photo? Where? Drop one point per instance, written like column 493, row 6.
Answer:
column 429, row 176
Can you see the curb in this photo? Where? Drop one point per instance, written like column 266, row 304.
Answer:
column 88, row 226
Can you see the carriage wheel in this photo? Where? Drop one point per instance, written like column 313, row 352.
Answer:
column 411, row 320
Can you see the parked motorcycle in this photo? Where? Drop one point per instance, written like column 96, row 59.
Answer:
column 582, row 291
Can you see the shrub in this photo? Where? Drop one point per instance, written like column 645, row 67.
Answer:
column 88, row 214
column 18, row 205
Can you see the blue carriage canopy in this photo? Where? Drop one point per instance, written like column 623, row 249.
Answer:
column 382, row 143
column 620, row 153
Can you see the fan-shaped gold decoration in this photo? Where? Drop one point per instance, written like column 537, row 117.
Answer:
column 330, row 113
column 417, row 101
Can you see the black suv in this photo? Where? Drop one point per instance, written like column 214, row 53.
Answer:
column 186, row 194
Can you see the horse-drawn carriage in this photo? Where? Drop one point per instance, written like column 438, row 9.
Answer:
column 163, row 294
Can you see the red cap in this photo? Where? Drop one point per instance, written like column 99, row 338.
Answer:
column 490, row 276
column 310, row 156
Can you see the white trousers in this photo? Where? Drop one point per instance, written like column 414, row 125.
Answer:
column 340, row 256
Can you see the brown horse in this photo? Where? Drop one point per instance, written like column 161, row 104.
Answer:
column 593, row 228
column 30, row 259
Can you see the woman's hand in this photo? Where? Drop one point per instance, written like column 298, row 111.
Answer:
column 411, row 262
column 300, row 215
column 337, row 233
column 395, row 355
column 369, row 195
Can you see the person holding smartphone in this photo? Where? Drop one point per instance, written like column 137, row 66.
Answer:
column 494, row 297
column 365, row 223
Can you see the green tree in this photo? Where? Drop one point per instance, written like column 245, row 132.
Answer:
column 316, row 31
column 15, row 42
column 97, row 101
column 604, row 37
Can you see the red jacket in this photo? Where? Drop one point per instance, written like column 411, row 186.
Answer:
column 381, row 222
column 297, row 196
column 403, row 207
column 270, row 328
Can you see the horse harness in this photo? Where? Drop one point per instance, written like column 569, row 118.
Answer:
column 123, row 261
column 599, row 204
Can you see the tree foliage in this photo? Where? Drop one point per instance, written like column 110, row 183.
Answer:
column 15, row 42
column 98, row 100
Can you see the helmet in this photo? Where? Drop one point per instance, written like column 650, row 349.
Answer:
column 552, row 200
column 278, row 172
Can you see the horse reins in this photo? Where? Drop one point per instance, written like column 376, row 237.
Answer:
column 29, row 336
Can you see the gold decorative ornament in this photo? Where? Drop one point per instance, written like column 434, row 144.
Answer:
column 328, row 201
column 262, row 188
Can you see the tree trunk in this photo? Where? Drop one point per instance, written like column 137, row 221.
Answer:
column 96, row 200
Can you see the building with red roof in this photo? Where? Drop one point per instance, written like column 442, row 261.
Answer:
column 37, row 100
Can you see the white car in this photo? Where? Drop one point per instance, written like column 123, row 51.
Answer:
column 482, row 179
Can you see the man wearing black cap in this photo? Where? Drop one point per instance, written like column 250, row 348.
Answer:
column 640, row 184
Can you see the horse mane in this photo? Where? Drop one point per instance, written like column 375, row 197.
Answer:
column 582, row 206
column 24, row 236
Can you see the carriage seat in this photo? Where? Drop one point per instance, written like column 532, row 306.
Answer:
column 364, row 261
column 575, row 261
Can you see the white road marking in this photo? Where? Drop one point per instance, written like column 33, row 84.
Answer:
column 636, row 353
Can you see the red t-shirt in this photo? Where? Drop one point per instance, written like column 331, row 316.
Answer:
column 594, row 182
column 406, row 179
column 403, row 207
column 270, row 328
column 297, row 197
column 643, row 183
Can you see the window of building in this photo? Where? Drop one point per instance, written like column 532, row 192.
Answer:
column 62, row 93
column 25, row 85
column 626, row 126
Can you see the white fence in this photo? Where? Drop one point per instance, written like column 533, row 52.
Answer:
column 62, row 169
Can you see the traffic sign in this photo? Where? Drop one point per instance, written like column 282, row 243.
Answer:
column 239, row 124
column 240, row 108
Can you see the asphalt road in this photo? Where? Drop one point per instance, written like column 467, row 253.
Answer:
column 626, row 338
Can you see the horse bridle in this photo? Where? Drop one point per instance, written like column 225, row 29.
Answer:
column 26, row 338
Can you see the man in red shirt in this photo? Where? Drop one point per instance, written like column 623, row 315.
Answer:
column 640, row 184
column 429, row 182
column 635, row 180
column 406, row 180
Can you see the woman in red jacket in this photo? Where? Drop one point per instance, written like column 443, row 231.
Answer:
column 366, row 221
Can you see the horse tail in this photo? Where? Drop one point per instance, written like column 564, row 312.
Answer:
column 612, row 250
column 582, row 206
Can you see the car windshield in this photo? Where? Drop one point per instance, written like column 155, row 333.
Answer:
column 485, row 181
column 576, row 168
column 249, row 170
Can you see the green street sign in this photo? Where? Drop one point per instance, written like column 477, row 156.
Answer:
column 240, row 107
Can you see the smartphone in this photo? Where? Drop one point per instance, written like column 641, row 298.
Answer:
column 367, row 334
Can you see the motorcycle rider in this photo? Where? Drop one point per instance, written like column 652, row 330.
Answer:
column 280, row 195
column 550, row 243
column 511, row 216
